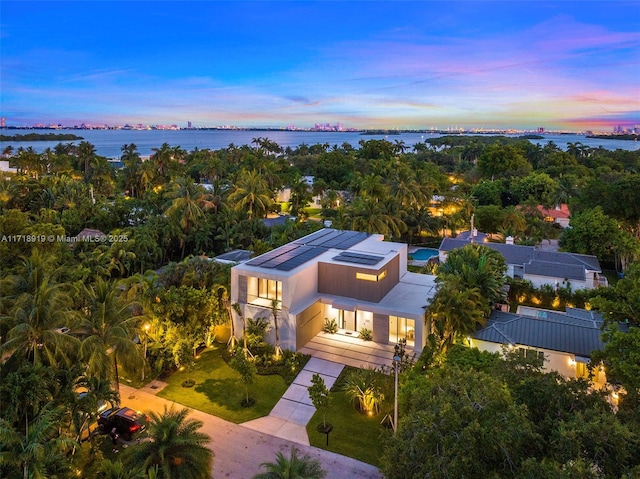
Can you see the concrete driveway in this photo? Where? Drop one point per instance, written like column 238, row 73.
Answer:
column 239, row 451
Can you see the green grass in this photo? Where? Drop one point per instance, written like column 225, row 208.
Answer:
column 354, row 435
column 218, row 390
column 313, row 212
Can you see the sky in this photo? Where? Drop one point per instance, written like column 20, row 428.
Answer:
column 572, row 65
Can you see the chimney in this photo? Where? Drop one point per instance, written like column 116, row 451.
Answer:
column 327, row 223
column 509, row 240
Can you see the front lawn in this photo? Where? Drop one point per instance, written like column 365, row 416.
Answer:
column 219, row 391
column 354, row 435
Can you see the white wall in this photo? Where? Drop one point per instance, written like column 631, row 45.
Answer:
column 563, row 363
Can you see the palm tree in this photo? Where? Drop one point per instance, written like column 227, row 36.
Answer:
column 177, row 447
column 95, row 391
column 188, row 205
column 371, row 216
column 293, row 467
column 454, row 311
column 275, row 306
column 86, row 156
column 405, row 188
column 40, row 317
column 161, row 158
column 109, row 332
column 118, row 470
column 476, row 266
column 132, row 162
column 38, row 450
column 251, row 194
column 300, row 196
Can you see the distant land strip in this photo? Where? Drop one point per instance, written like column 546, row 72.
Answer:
column 41, row 137
column 630, row 136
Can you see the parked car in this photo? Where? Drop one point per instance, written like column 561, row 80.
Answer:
column 128, row 422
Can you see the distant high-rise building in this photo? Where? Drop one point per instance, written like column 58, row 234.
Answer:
column 541, row 129
column 3, row 122
column 188, row 124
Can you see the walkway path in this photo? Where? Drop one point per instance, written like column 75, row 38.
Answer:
column 239, row 451
column 290, row 416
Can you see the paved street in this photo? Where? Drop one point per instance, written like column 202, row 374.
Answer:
column 239, row 451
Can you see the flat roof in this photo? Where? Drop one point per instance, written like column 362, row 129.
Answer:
column 335, row 246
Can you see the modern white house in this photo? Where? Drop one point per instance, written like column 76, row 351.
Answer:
column 564, row 339
column 356, row 278
column 580, row 271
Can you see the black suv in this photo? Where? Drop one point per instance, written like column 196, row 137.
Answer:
column 128, row 423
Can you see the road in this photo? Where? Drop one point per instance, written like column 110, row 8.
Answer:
column 239, row 451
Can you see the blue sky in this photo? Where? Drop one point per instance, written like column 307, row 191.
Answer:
column 562, row 65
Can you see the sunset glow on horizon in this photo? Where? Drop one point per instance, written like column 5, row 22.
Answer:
column 407, row 65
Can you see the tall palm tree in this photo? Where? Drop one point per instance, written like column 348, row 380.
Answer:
column 293, row 467
column 109, row 332
column 161, row 157
column 177, row 447
column 453, row 312
column 86, row 156
column 188, row 205
column 38, row 451
column 40, row 317
column 476, row 266
column 405, row 188
column 300, row 196
column 132, row 162
column 251, row 194
column 275, row 308
column 94, row 392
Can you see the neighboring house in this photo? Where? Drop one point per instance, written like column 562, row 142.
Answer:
column 233, row 257
column 580, row 271
column 356, row 278
column 559, row 215
column 91, row 235
column 564, row 339
column 284, row 195
column 4, row 166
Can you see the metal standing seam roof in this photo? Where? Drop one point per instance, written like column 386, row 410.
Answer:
column 552, row 334
column 543, row 263
column 556, row 270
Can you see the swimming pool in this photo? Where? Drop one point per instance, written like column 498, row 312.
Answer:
column 423, row 254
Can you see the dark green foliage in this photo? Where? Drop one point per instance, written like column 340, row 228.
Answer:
column 478, row 415
column 292, row 467
column 457, row 424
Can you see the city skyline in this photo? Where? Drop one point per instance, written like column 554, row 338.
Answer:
column 402, row 65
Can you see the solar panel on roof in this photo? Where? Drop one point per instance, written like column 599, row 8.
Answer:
column 358, row 258
column 272, row 254
column 330, row 238
column 314, row 236
column 351, row 240
column 301, row 258
column 324, row 239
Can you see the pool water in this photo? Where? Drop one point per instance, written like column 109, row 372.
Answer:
column 423, row 254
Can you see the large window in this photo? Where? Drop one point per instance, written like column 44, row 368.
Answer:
column 269, row 289
column 402, row 328
column 262, row 291
column 532, row 355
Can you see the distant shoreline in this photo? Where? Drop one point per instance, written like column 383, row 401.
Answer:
column 41, row 137
column 629, row 137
